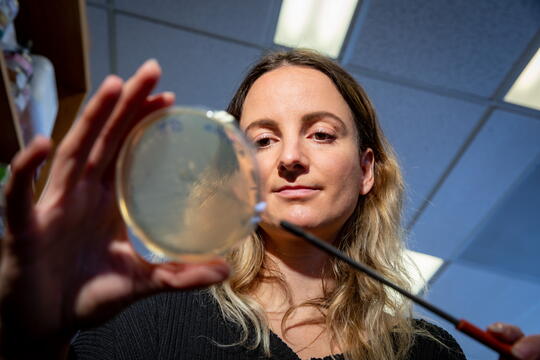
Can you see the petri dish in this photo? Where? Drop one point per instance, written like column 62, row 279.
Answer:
column 187, row 184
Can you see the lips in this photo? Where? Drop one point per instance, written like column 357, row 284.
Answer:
column 296, row 191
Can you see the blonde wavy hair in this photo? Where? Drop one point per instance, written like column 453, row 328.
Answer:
column 365, row 319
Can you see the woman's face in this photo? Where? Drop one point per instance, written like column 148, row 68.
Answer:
column 307, row 149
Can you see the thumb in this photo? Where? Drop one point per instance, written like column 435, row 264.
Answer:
column 505, row 332
column 105, row 298
column 178, row 276
column 527, row 348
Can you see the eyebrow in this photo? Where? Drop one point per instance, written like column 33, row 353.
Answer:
column 269, row 123
column 321, row 114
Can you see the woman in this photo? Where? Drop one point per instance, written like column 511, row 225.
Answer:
column 67, row 264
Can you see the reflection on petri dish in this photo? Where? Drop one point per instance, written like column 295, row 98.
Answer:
column 187, row 183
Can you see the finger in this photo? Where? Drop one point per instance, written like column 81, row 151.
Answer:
column 133, row 97
column 73, row 152
column 153, row 103
column 527, row 348
column 18, row 192
column 505, row 332
column 187, row 276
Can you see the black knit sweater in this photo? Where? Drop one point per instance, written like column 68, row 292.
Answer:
column 189, row 325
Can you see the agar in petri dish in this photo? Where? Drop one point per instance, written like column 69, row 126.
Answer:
column 187, row 183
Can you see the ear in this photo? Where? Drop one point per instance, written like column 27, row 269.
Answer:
column 367, row 165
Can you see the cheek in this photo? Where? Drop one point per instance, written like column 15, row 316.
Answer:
column 266, row 163
column 343, row 171
column 346, row 187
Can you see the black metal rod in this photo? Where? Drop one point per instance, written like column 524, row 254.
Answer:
column 335, row 252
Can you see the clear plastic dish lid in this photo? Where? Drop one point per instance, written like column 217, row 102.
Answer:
column 187, row 183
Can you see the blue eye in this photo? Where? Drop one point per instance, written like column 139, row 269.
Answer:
column 323, row 136
column 263, row 142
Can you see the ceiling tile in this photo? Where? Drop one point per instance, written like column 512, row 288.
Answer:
column 484, row 298
column 463, row 45
column 503, row 149
column 425, row 129
column 201, row 71
column 99, row 46
column 509, row 239
column 251, row 21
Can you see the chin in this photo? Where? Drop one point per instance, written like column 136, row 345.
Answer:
column 298, row 215
column 304, row 222
column 313, row 224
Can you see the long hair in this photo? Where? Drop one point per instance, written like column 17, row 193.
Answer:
column 365, row 319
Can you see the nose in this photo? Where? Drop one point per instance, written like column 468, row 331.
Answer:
column 293, row 161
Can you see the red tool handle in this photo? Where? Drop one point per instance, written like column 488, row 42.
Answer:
column 485, row 338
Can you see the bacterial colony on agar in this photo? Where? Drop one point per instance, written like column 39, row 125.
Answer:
column 187, row 184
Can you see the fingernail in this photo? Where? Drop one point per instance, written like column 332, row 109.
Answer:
column 151, row 61
column 148, row 64
column 111, row 79
column 523, row 350
column 497, row 327
column 169, row 95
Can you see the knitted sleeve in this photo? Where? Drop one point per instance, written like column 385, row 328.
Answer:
column 129, row 335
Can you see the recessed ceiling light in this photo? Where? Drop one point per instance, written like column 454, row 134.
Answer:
column 526, row 89
column 421, row 267
column 315, row 24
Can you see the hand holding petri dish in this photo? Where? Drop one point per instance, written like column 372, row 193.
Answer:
column 187, row 183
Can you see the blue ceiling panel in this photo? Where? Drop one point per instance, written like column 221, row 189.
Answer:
column 99, row 46
column 483, row 298
column 425, row 129
column 246, row 20
column 509, row 240
column 462, row 45
column 502, row 150
column 201, row 71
